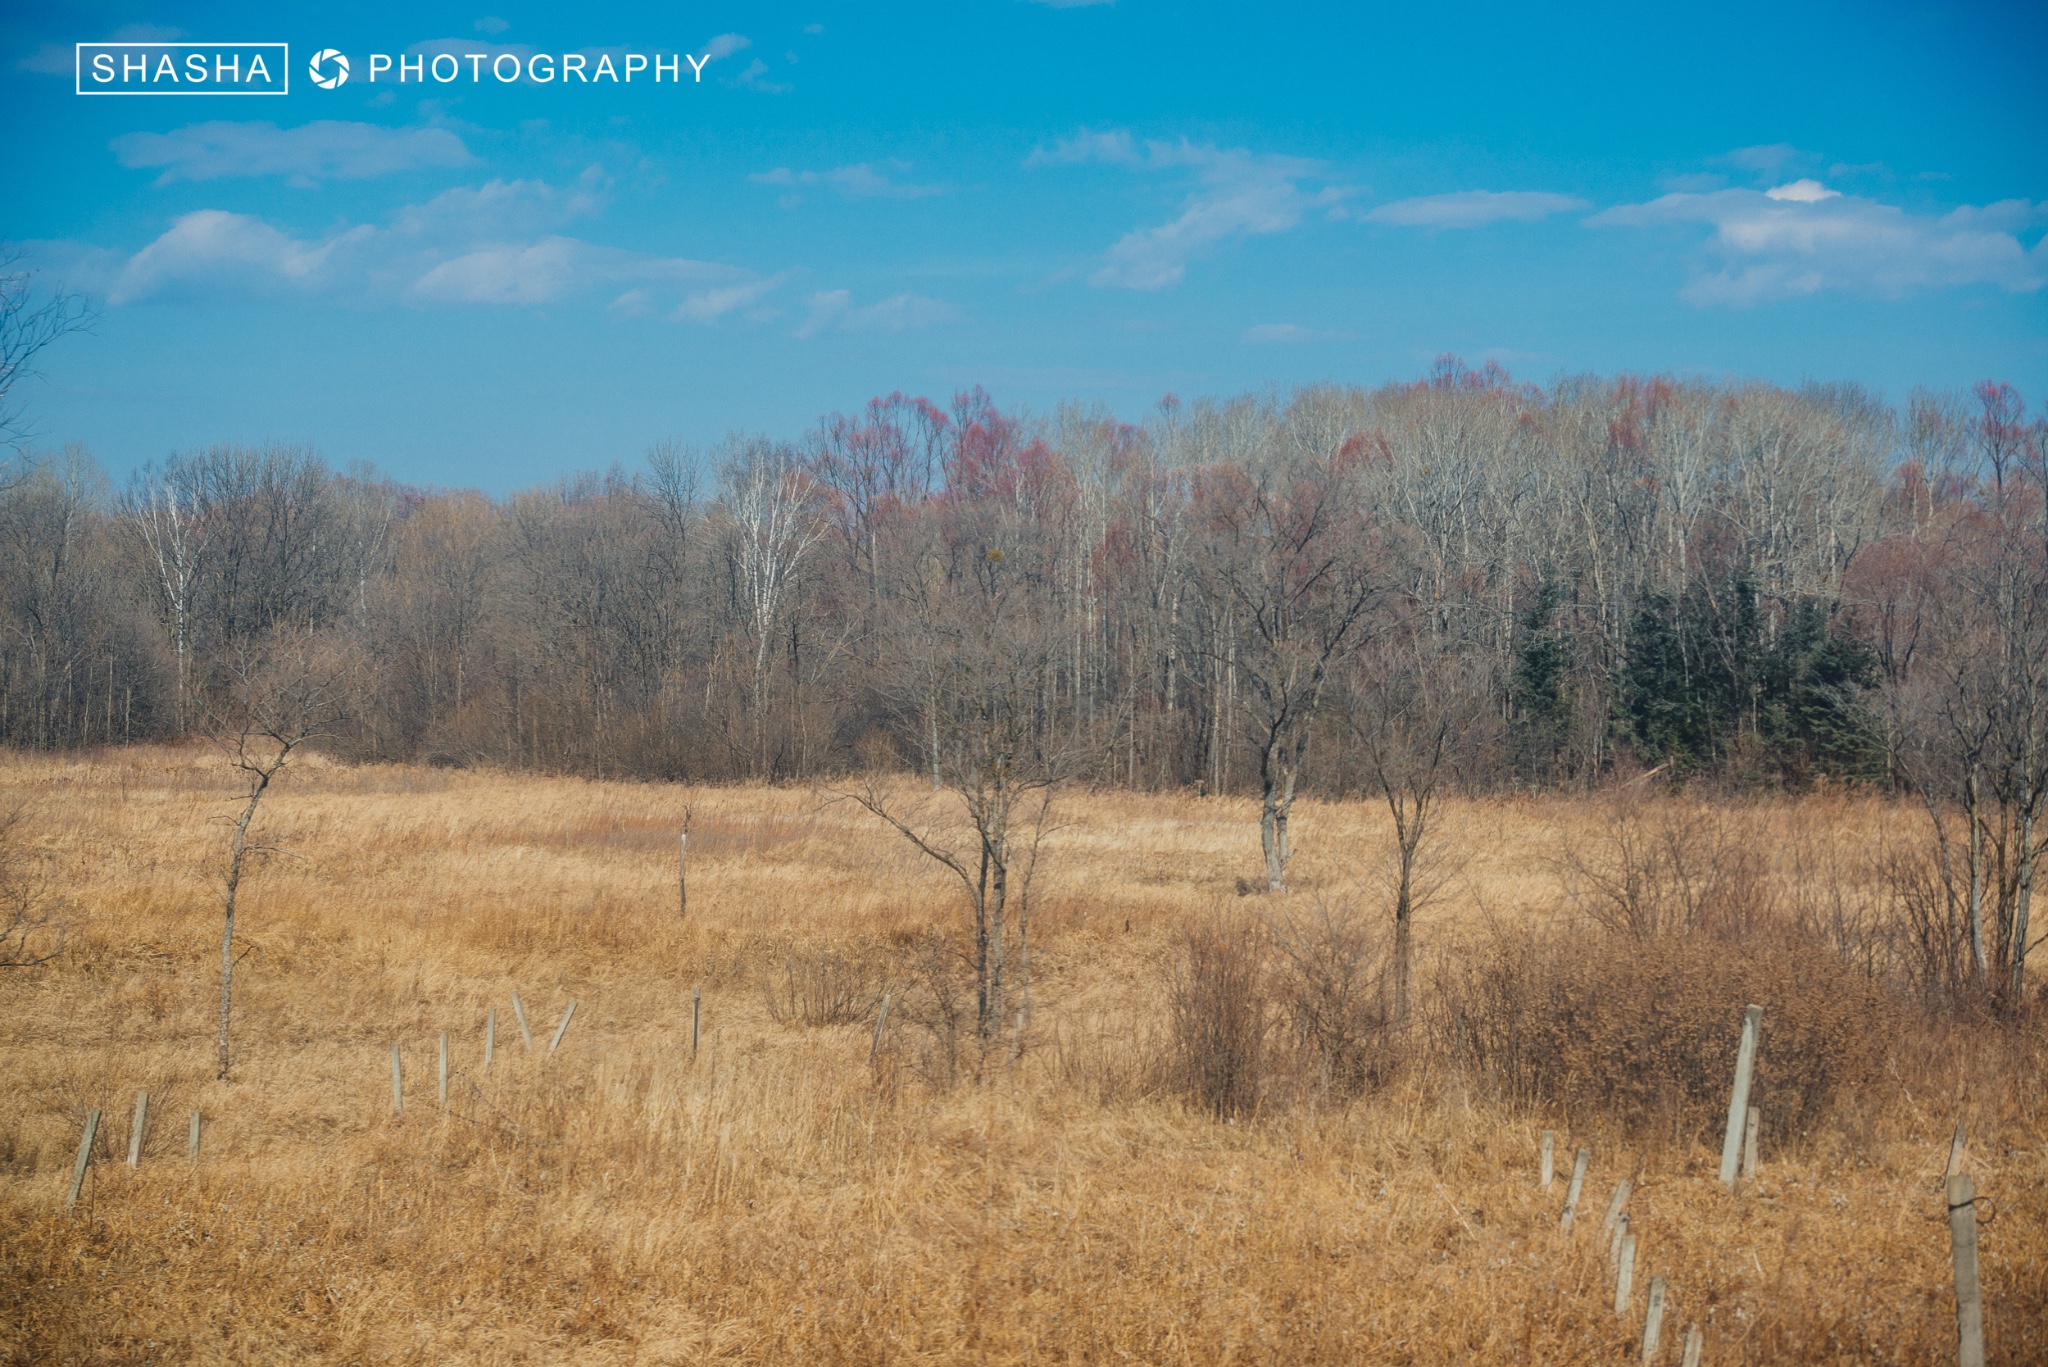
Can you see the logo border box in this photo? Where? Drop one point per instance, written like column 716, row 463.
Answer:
column 78, row 71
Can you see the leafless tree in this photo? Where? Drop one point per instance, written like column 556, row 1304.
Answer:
column 281, row 699
column 30, row 321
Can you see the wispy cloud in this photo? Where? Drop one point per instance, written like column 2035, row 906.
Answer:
column 494, row 244
column 1803, row 238
column 755, row 77
column 1238, row 193
column 325, row 150
column 858, row 181
column 835, row 311
column 61, row 59
column 1279, row 333
column 1474, row 208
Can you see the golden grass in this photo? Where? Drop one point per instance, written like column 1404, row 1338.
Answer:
column 773, row 1201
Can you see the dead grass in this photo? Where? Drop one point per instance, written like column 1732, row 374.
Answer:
column 773, row 1200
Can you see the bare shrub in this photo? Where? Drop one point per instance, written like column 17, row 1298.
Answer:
column 937, row 1006
column 30, row 933
column 1219, row 1016
column 1332, row 984
column 1663, row 866
column 836, row 985
column 1642, row 1034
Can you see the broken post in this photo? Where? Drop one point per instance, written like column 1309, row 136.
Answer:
column 561, row 1029
column 1544, row 1164
column 1962, row 1232
column 441, row 1090
column 192, row 1141
column 135, row 1130
column 1749, row 1128
column 1571, row 1193
column 696, row 1019
column 1738, row 1096
column 1624, row 1274
column 1695, row 1342
column 519, row 1014
column 490, row 1036
column 1653, row 1320
column 1955, row 1151
column 397, row 1084
column 1614, row 1242
column 92, row 1130
column 881, row 1019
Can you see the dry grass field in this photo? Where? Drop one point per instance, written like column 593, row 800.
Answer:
column 777, row 1200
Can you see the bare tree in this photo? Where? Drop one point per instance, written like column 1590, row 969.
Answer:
column 772, row 502
column 166, row 513
column 1289, row 561
column 279, row 701
column 30, row 320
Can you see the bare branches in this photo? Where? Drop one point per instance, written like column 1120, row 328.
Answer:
column 30, row 321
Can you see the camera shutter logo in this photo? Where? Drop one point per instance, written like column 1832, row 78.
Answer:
column 320, row 77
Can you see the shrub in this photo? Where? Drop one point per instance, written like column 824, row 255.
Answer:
column 833, row 986
column 1643, row 1034
column 1219, row 1016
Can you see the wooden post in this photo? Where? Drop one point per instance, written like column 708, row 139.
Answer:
column 1962, row 1233
column 1614, row 1242
column 1738, row 1096
column 397, row 1084
column 1749, row 1129
column 1653, row 1320
column 490, row 1036
column 1571, row 1193
column 1546, row 1162
column 1616, row 1206
column 1955, row 1151
column 92, row 1130
column 1625, row 1274
column 1695, row 1342
column 561, row 1029
column 135, row 1130
column 442, row 1089
column 192, row 1141
column 683, row 869
column 881, row 1019
column 696, row 1019
column 519, row 1014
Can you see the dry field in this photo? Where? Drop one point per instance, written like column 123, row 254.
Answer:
column 776, row 1200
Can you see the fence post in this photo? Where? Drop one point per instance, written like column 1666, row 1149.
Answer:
column 192, row 1142
column 1616, row 1206
column 442, row 1088
column 92, row 1130
column 1738, row 1096
column 397, row 1084
column 561, row 1029
column 696, row 1019
column 1614, row 1242
column 1625, row 1274
column 1545, row 1163
column 519, row 1014
column 1962, row 1232
column 135, row 1130
column 881, row 1018
column 490, row 1036
column 683, row 871
column 1955, row 1150
column 1695, row 1343
column 1750, row 1123
column 1653, row 1320
column 1571, row 1193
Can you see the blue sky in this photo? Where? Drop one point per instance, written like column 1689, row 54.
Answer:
column 492, row 284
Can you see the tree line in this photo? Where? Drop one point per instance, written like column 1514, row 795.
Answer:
column 1462, row 583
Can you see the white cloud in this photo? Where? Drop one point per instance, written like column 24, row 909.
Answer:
column 1474, row 208
column 834, row 311
column 324, row 150
column 1802, row 192
column 1773, row 245
column 858, row 181
column 491, row 24
column 1238, row 193
column 725, row 44
column 1271, row 333
column 755, row 77
column 491, row 244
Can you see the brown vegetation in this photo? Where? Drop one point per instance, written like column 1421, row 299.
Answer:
column 1062, row 1189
